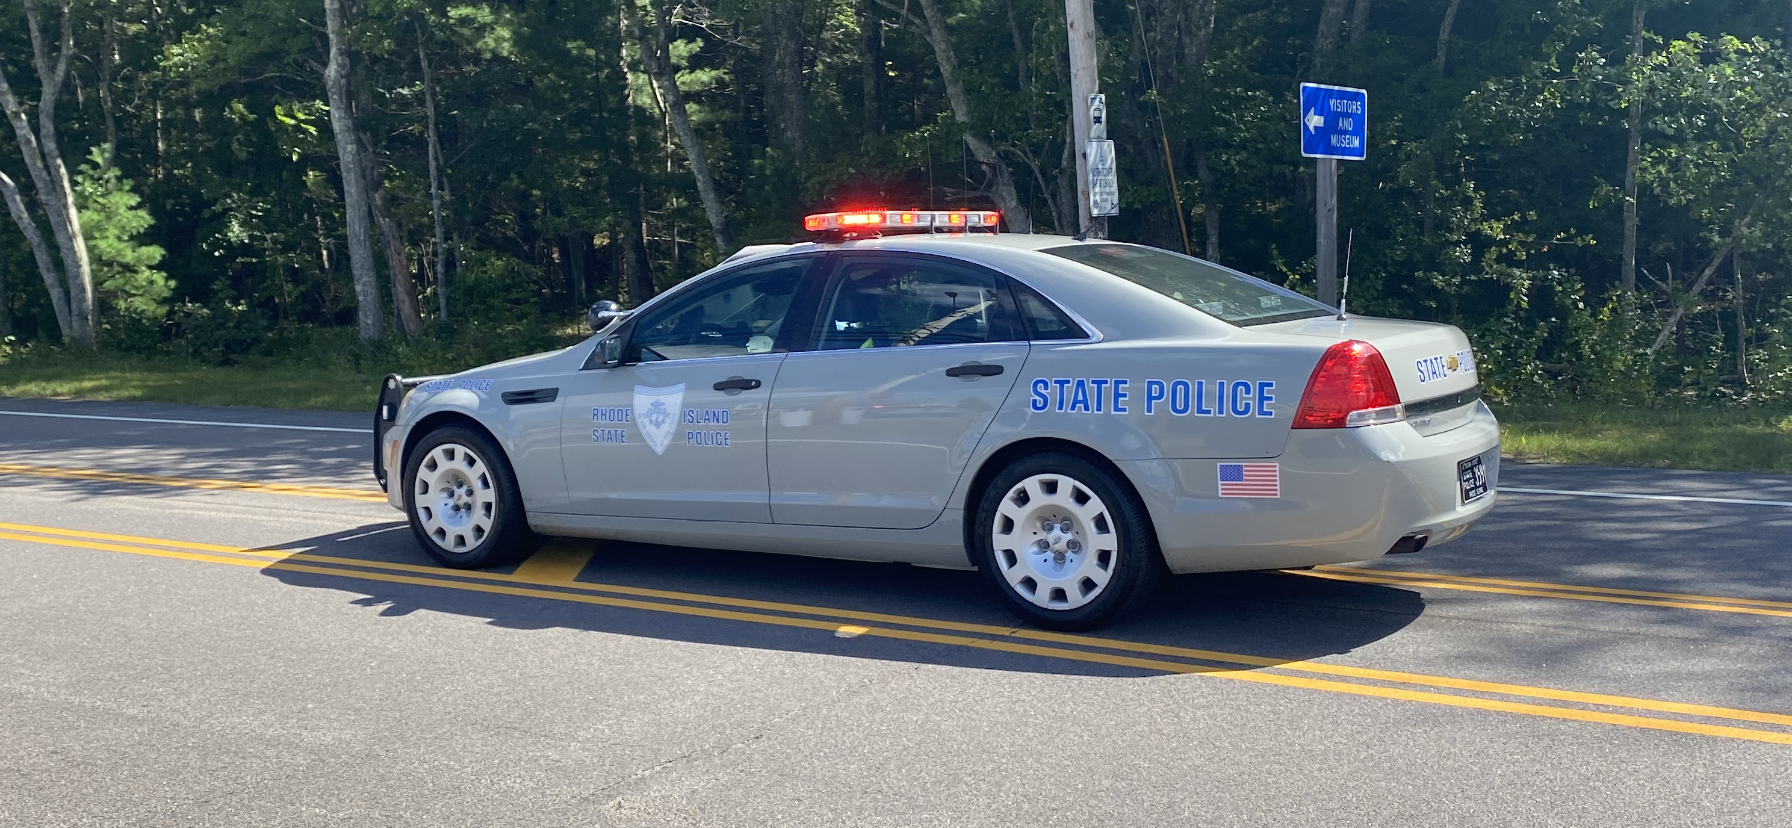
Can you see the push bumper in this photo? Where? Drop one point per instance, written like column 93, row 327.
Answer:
column 1346, row 495
column 389, row 437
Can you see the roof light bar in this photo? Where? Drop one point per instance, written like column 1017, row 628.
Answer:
column 874, row 220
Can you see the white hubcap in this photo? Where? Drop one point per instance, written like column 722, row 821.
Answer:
column 454, row 497
column 1054, row 542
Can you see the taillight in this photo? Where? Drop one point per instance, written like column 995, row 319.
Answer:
column 1350, row 388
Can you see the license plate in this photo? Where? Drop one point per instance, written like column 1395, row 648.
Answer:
column 1471, row 474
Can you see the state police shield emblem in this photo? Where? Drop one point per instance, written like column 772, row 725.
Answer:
column 656, row 412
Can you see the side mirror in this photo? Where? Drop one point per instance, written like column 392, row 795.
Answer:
column 607, row 354
column 603, row 313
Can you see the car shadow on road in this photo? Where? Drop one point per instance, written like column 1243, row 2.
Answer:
column 1261, row 615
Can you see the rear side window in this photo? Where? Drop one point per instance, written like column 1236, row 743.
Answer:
column 1045, row 321
column 1216, row 291
column 901, row 301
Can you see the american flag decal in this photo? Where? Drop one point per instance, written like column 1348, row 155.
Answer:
column 1250, row 480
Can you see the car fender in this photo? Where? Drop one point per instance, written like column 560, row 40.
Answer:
column 518, row 403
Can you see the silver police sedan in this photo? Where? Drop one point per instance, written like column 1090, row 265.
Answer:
column 1074, row 418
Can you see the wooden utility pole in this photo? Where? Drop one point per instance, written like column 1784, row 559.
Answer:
column 1085, row 80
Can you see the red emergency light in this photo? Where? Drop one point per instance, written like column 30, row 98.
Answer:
column 854, row 222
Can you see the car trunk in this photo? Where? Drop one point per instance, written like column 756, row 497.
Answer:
column 1432, row 364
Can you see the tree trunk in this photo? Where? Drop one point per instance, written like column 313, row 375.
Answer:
column 1627, row 276
column 1067, row 216
column 1210, row 203
column 1002, row 187
column 1197, row 35
column 1021, row 75
column 1443, row 35
column 438, row 184
column 657, row 64
column 1331, row 25
column 637, row 278
column 872, row 30
column 782, row 33
column 46, row 265
column 1741, row 323
column 43, row 159
column 354, row 187
column 108, row 65
column 5, row 308
column 1359, row 19
column 1698, row 285
column 576, row 245
column 77, row 271
column 398, row 263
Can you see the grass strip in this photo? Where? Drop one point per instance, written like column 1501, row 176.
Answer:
column 1739, row 438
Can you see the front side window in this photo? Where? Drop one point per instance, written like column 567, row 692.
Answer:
column 1216, row 291
column 737, row 314
column 897, row 302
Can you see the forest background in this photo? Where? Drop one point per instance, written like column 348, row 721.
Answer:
column 1598, row 191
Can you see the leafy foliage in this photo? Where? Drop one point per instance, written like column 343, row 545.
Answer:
column 1493, row 196
column 124, row 268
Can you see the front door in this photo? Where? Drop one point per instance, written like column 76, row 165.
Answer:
column 913, row 355
column 678, row 430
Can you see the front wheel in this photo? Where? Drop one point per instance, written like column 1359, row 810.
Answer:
column 1064, row 542
column 463, row 502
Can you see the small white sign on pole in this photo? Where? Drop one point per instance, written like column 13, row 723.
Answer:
column 1098, row 117
column 1104, row 179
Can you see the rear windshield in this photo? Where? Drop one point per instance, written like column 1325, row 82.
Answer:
column 1216, row 291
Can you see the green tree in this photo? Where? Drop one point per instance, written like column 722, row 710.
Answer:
column 113, row 218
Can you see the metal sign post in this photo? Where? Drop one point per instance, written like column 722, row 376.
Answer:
column 1334, row 126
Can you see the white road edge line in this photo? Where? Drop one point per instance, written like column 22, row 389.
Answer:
column 1623, row 495
column 187, row 422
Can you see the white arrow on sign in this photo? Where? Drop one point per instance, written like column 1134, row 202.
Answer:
column 1314, row 120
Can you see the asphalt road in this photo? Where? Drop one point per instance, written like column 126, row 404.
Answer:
column 214, row 625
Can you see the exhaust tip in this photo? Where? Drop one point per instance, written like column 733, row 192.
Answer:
column 1409, row 544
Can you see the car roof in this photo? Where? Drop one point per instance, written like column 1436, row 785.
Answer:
column 1115, row 307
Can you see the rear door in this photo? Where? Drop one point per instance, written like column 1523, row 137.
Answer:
column 911, row 358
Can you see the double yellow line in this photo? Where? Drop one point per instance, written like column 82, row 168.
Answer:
column 551, row 576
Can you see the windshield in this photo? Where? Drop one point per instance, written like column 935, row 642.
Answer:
column 1216, row 291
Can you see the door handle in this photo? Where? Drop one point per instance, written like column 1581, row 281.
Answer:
column 973, row 369
column 737, row 384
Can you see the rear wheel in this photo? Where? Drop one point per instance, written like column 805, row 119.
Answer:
column 462, row 500
column 1064, row 542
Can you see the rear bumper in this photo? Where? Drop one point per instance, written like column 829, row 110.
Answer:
column 1346, row 495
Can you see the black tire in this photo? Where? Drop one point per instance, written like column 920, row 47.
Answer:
column 1135, row 564
column 487, row 537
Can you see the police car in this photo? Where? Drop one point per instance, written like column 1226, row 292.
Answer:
column 1074, row 418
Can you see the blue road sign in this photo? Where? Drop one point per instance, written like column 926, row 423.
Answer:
column 1334, row 122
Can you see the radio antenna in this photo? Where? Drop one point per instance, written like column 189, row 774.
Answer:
column 1349, row 245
